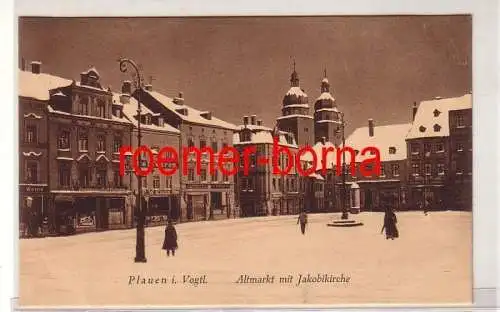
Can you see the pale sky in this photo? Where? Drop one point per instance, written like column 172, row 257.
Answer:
column 377, row 66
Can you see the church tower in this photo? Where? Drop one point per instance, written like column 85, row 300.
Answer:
column 326, row 115
column 295, row 113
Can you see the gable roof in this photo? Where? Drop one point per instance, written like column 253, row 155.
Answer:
column 37, row 86
column 193, row 115
column 263, row 135
column 436, row 112
column 130, row 111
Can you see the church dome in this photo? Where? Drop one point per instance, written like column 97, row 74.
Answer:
column 295, row 95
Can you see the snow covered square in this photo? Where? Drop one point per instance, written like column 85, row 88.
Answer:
column 430, row 263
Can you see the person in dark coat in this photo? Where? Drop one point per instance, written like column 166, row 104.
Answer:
column 302, row 219
column 170, row 241
column 390, row 221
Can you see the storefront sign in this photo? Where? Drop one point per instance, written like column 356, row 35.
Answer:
column 33, row 189
column 85, row 220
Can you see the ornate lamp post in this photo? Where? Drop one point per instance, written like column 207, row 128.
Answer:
column 140, row 249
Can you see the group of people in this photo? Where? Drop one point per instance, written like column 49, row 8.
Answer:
column 390, row 221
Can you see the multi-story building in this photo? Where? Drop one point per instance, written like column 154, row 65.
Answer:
column 203, row 195
column 460, row 124
column 295, row 113
column 431, row 150
column 389, row 186
column 161, row 192
column 86, row 130
column 33, row 142
column 260, row 191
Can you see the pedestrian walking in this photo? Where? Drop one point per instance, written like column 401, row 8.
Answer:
column 302, row 219
column 390, row 221
column 170, row 241
column 427, row 205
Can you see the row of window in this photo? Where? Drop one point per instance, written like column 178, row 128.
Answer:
column 63, row 141
column 214, row 177
column 84, row 104
column 428, row 148
column 203, row 143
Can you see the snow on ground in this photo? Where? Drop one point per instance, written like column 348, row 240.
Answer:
column 429, row 264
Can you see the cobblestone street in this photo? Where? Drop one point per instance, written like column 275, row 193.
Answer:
column 429, row 263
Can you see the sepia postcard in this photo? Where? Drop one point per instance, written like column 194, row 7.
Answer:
column 245, row 161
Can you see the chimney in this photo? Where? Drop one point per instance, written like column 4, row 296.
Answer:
column 414, row 110
column 148, row 87
column 252, row 119
column 179, row 100
column 370, row 127
column 259, row 122
column 35, row 67
column 127, row 87
column 245, row 120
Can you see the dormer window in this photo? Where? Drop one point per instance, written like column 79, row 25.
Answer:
column 422, row 129
column 147, row 119
column 160, row 121
column 437, row 128
column 436, row 113
column 245, row 136
column 392, row 150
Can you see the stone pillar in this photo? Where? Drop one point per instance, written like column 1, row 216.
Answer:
column 356, row 198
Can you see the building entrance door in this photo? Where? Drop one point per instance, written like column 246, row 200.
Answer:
column 368, row 200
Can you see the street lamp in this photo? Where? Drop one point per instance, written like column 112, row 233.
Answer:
column 140, row 249
column 345, row 215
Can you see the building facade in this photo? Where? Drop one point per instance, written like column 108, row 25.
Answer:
column 202, row 196
column 34, row 144
column 460, row 123
column 388, row 188
column 161, row 192
column 433, row 156
column 260, row 191
column 86, row 130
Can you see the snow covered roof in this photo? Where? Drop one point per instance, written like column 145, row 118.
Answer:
column 334, row 109
column 389, row 139
column 92, row 69
column 296, row 91
column 130, row 110
column 325, row 80
column 436, row 112
column 265, row 136
column 316, row 176
column 298, row 105
column 325, row 96
column 37, row 86
column 193, row 115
